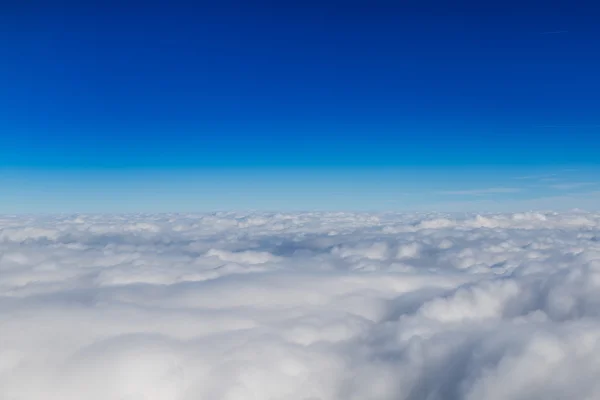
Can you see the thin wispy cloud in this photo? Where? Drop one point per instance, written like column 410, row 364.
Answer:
column 537, row 177
column 560, row 201
column 480, row 192
column 572, row 185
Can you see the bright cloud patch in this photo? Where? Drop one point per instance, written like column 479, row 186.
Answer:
column 300, row 307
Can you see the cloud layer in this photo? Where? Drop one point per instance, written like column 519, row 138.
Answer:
column 329, row 306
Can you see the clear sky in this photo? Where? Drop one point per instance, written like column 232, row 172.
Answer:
column 299, row 105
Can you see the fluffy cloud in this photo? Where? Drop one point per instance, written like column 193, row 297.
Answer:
column 300, row 307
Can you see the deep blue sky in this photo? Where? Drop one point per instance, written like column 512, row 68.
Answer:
column 310, row 86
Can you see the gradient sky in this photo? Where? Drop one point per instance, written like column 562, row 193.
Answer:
column 299, row 105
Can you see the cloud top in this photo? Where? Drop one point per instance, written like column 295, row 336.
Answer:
column 299, row 306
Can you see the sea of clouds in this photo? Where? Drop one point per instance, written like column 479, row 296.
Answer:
column 300, row 306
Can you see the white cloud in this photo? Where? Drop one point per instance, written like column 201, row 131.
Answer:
column 587, row 200
column 287, row 306
column 479, row 192
column 540, row 177
column 572, row 185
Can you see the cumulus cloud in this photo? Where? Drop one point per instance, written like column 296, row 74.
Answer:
column 305, row 306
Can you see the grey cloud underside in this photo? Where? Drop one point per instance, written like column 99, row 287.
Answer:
column 300, row 306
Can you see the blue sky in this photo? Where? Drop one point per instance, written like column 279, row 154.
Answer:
column 307, row 105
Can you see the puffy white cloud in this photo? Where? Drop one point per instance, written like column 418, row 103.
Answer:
column 305, row 306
